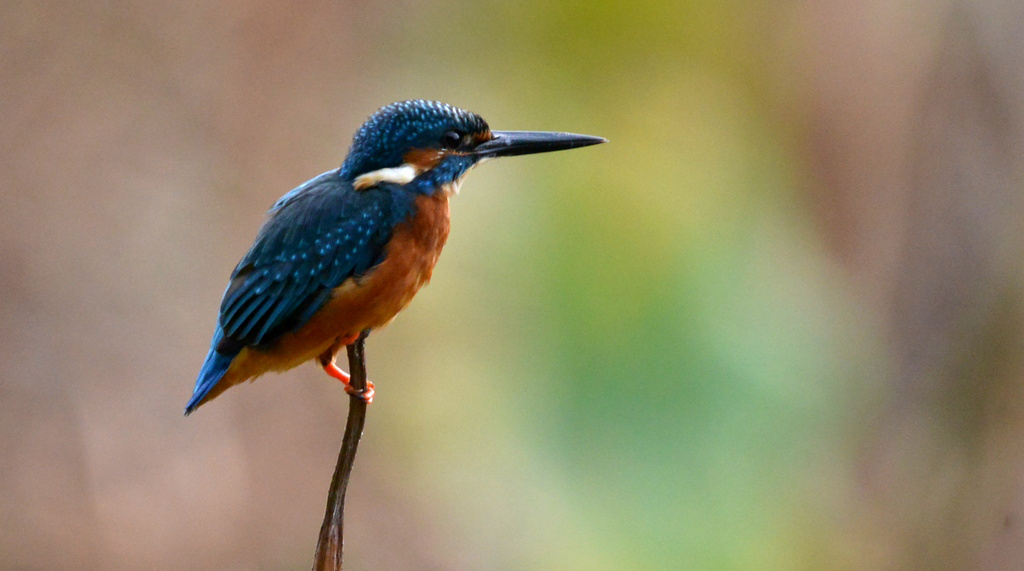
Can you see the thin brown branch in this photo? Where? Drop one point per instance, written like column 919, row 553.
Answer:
column 331, row 543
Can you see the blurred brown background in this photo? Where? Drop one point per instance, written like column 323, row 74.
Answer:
column 775, row 324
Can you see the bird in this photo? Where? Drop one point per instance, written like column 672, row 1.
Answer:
column 345, row 252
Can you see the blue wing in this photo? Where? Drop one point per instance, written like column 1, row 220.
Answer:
column 316, row 237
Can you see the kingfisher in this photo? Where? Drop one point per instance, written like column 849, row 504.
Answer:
column 345, row 252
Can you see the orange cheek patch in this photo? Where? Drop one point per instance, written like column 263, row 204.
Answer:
column 482, row 137
column 423, row 159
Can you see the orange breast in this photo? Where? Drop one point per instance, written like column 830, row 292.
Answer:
column 367, row 303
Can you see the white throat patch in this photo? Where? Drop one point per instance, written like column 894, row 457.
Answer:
column 452, row 188
column 397, row 175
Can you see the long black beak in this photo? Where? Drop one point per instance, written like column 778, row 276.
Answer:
column 512, row 143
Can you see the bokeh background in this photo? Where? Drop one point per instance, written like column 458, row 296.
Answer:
column 776, row 323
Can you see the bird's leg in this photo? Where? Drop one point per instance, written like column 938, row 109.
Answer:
column 327, row 359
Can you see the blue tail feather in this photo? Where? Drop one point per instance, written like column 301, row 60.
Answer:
column 214, row 368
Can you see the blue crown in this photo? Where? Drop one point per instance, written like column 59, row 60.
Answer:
column 394, row 130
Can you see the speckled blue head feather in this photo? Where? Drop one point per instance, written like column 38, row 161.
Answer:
column 389, row 134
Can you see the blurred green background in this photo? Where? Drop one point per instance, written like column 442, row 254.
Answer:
column 775, row 323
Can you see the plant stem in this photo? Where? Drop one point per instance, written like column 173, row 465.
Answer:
column 330, row 545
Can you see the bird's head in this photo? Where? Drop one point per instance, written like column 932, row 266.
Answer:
column 428, row 145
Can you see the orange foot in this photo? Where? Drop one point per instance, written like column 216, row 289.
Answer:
column 365, row 395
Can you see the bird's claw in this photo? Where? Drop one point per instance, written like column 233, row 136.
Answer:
column 365, row 395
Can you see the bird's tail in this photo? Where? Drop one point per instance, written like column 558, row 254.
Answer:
column 214, row 368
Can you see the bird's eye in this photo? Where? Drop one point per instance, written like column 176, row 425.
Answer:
column 451, row 140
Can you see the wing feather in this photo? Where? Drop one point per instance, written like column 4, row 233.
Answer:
column 315, row 238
